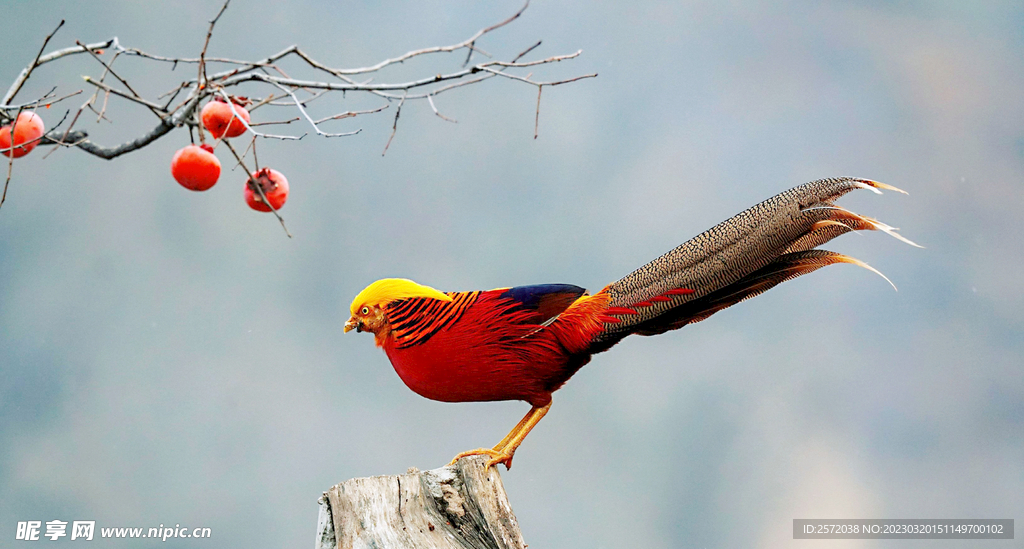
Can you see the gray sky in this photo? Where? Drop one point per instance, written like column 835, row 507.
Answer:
column 170, row 357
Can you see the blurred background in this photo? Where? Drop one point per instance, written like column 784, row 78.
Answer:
column 169, row 357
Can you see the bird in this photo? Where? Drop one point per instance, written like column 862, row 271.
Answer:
column 525, row 342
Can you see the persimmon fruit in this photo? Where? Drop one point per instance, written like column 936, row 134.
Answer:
column 28, row 128
column 195, row 167
column 217, row 119
column 274, row 185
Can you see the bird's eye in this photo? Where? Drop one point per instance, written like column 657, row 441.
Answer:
column 364, row 311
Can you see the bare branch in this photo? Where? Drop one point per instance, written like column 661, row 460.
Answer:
column 52, row 56
column 314, row 96
column 18, row 108
column 157, row 109
column 255, row 159
column 302, row 109
column 569, row 80
column 192, row 93
column 272, row 123
column 526, row 51
column 201, row 81
column 135, row 52
column 10, row 156
column 430, row 100
column 536, row 116
column 202, row 55
column 64, row 138
column 350, row 114
column 100, row 114
column 110, row 70
column 527, row 79
column 552, row 59
column 468, row 43
column 18, row 82
column 166, row 125
column 44, row 100
column 394, row 127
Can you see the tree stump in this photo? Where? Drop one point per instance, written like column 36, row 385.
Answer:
column 462, row 506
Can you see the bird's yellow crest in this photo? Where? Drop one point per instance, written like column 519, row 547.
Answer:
column 386, row 290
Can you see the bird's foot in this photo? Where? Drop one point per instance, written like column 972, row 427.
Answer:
column 497, row 456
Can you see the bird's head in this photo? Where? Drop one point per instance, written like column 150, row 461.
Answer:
column 369, row 308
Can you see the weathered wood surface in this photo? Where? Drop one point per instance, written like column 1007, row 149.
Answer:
column 463, row 506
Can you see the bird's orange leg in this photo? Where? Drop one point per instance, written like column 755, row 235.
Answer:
column 504, row 450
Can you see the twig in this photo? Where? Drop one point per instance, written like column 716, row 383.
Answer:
column 157, row 110
column 67, row 131
column 313, row 96
column 49, row 102
column 245, row 152
column 289, row 121
column 20, row 81
column 464, row 44
column 527, row 79
column 10, row 155
column 172, row 92
column 526, row 51
column 201, row 80
column 108, row 153
column 536, row 115
column 255, row 160
column 44, row 97
column 350, row 114
column 402, row 86
column 101, row 114
column 52, row 56
column 394, row 127
column 430, row 100
column 302, row 109
column 261, row 102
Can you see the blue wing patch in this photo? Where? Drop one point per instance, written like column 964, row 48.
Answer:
column 546, row 301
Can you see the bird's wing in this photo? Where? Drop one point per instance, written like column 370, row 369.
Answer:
column 540, row 304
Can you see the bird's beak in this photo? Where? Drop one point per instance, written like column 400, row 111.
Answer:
column 352, row 324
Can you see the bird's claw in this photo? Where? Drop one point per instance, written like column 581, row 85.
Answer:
column 497, row 456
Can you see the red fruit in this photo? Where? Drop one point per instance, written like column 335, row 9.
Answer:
column 217, row 118
column 274, row 185
column 196, row 168
column 28, row 127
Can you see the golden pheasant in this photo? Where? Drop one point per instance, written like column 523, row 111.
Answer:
column 523, row 343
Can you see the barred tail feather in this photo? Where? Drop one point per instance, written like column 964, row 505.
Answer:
column 786, row 267
column 737, row 259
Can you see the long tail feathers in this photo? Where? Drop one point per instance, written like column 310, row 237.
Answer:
column 786, row 267
column 738, row 259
